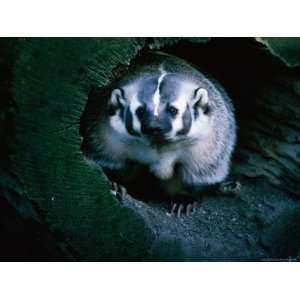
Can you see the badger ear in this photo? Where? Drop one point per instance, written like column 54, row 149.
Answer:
column 201, row 99
column 116, row 101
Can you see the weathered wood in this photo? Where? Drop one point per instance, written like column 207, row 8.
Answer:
column 270, row 135
column 52, row 78
column 49, row 82
column 288, row 49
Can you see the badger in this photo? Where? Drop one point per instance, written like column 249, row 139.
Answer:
column 168, row 121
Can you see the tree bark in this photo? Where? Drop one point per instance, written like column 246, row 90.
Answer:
column 44, row 93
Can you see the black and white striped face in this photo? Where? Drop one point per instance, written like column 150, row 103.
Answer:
column 159, row 108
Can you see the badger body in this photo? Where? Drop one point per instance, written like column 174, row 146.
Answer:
column 170, row 119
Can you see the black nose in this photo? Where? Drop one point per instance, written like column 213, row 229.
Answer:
column 152, row 129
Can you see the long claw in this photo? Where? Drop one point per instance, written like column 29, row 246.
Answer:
column 118, row 191
column 180, row 208
column 122, row 192
column 174, row 205
column 114, row 188
column 188, row 209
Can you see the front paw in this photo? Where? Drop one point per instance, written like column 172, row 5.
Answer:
column 182, row 206
column 229, row 188
column 118, row 191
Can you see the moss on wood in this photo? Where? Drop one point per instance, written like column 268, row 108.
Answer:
column 47, row 86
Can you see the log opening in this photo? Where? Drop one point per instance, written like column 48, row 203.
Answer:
column 265, row 93
column 48, row 81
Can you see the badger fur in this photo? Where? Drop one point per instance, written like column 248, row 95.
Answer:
column 170, row 119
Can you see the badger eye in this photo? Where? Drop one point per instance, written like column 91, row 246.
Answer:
column 140, row 111
column 172, row 110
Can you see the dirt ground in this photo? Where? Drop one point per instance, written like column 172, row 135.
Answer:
column 262, row 223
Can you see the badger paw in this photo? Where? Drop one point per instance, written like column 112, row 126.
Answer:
column 230, row 188
column 181, row 208
column 118, row 191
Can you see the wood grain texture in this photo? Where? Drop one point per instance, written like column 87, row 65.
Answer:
column 52, row 78
column 270, row 133
column 49, row 83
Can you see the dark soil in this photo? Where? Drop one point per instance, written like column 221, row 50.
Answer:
column 261, row 223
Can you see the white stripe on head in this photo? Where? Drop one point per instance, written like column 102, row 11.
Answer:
column 156, row 96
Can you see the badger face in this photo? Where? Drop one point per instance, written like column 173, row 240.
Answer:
column 158, row 109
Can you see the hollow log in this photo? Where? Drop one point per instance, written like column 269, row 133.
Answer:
column 46, row 180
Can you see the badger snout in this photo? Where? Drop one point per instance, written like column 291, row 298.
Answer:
column 154, row 129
